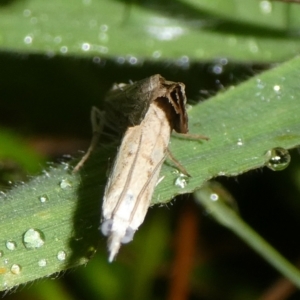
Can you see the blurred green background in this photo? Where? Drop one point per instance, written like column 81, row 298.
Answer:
column 59, row 58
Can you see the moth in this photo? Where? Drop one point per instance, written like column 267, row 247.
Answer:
column 146, row 112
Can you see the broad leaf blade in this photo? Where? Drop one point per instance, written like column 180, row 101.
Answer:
column 197, row 30
column 242, row 123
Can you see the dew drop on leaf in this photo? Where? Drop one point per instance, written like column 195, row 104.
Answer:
column 33, row 238
column 61, row 255
column 16, row 269
column 65, row 184
column 42, row 262
column 11, row 245
column 278, row 159
column 43, row 198
column 181, row 181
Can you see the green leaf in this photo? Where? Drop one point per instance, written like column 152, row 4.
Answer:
column 242, row 124
column 14, row 149
column 228, row 217
column 63, row 209
column 132, row 30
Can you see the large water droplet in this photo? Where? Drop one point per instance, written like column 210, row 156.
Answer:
column 33, row 239
column 43, row 198
column 42, row 262
column 11, row 245
column 61, row 255
column 65, row 184
column 16, row 269
column 278, row 159
column 181, row 181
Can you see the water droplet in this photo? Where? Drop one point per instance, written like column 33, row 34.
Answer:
column 85, row 47
column 265, row 7
column 102, row 49
column 1, row 253
column 276, row 88
column 61, row 255
column 132, row 60
column 223, row 61
column 156, row 54
column 278, row 159
column 96, row 59
column 216, row 69
column 166, row 33
column 11, row 245
column 57, row 39
column 253, row 46
column 15, row 269
column 6, row 261
column 26, row 12
column 120, row 60
column 33, row 239
column 214, row 197
column 63, row 49
column 43, row 198
column 33, row 20
column 65, row 184
column 181, row 181
column 104, row 27
column 240, row 142
column 260, row 84
column 103, row 37
column 28, row 39
column 42, row 262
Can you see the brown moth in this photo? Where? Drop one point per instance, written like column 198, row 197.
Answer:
column 146, row 112
column 150, row 109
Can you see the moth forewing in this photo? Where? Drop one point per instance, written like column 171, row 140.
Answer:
column 134, row 176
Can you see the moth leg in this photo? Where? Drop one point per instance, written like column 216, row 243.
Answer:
column 181, row 168
column 190, row 136
column 97, row 119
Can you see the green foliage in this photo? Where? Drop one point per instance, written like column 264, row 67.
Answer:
column 240, row 30
column 50, row 223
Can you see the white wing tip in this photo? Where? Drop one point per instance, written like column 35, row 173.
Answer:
column 113, row 244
